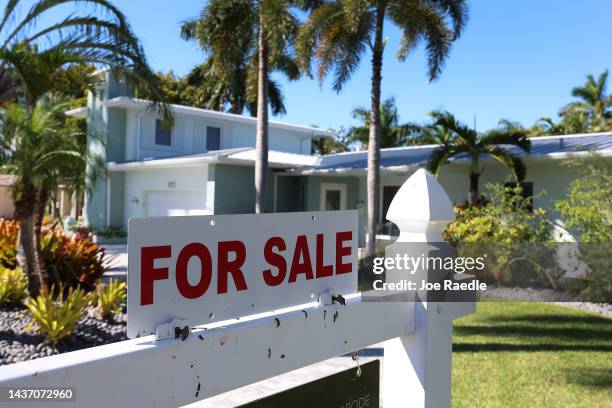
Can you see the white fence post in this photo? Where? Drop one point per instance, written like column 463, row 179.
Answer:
column 417, row 367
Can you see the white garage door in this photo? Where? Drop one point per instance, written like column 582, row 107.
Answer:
column 176, row 203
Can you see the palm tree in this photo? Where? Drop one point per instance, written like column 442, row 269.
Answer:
column 254, row 36
column 472, row 144
column 594, row 102
column 38, row 150
column 435, row 134
column 572, row 122
column 34, row 48
column 96, row 32
column 392, row 133
column 228, row 91
column 337, row 35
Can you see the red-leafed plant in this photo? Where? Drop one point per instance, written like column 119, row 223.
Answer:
column 9, row 229
column 72, row 261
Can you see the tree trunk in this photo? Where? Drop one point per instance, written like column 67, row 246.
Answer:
column 374, row 137
column 261, row 141
column 27, row 253
column 474, row 195
column 42, row 196
column 474, row 177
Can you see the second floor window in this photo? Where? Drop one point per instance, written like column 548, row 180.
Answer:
column 163, row 134
column 213, row 138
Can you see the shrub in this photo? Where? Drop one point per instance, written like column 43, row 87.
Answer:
column 109, row 298
column 500, row 227
column 587, row 209
column 13, row 286
column 72, row 261
column 9, row 230
column 56, row 318
column 111, row 232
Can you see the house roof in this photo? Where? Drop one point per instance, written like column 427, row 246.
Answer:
column 403, row 158
column 239, row 156
column 126, row 102
column 392, row 159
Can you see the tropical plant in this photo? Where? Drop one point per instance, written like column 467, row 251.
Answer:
column 594, row 103
column 509, row 232
column 435, row 134
column 109, row 298
column 39, row 153
column 574, row 122
column 13, row 286
column 587, row 211
column 37, row 45
column 337, row 35
column 392, row 132
column 56, row 318
column 246, row 40
column 341, row 142
column 9, row 231
column 74, row 262
column 35, row 50
column 473, row 144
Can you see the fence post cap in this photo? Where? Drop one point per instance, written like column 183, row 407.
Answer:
column 420, row 198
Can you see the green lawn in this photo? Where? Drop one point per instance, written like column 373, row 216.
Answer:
column 523, row 354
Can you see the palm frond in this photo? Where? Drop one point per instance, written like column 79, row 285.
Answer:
column 512, row 137
column 441, row 154
column 448, row 121
column 510, row 160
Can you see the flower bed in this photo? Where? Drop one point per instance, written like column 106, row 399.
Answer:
column 17, row 344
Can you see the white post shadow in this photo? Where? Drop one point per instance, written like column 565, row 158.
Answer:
column 417, row 368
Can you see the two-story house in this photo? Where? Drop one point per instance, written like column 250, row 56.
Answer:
column 204, row 164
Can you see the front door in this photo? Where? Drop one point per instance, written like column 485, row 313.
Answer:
column 333, row 197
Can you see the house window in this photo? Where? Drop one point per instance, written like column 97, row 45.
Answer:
column 527, row 192
column 163, row 134
column 333, row 197
column 213, row 138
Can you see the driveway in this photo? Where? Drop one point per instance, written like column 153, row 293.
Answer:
column 117, row 261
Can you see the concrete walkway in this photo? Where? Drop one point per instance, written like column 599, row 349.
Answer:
column 289, row 380
column 117, row 261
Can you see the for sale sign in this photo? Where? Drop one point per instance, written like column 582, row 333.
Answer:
column 211, row 268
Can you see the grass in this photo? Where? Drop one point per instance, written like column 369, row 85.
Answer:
column 534, row 355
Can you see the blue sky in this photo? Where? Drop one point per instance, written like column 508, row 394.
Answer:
column 517, row 59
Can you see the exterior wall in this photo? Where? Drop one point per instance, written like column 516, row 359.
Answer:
column 189, row 136
column 354, row 197
column 550, row 179
column 138, row 183
column 106, row 128
column 235, row 190
column 290, row 193
column 7, row 208
column 116, row 201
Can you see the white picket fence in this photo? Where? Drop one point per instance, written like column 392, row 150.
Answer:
column 143, row 372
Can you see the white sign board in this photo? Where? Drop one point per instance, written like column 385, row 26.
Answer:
column 211, row 268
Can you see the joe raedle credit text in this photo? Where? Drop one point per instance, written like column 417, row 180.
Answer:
column 412, row 264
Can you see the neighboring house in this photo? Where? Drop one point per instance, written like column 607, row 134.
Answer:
column 64, row 202
column 205, row 163
column 7, row 206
